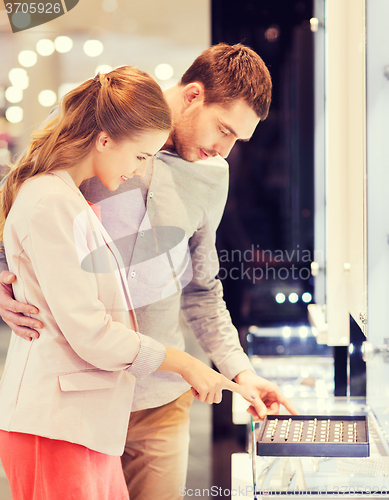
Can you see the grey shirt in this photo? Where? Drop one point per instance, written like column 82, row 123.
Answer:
column 181, row 197
column 165, row 228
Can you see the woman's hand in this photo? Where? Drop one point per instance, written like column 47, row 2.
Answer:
column 206, row 384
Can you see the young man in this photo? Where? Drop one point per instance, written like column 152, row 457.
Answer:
column 219, row 100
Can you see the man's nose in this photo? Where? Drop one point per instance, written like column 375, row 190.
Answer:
column 225, row 146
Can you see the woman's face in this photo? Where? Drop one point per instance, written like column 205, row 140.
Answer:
column 115, row 162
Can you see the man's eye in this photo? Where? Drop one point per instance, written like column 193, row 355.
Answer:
column 224, row 132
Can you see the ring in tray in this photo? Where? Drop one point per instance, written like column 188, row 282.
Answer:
column 314, row 436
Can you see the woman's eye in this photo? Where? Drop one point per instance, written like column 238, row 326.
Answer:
column 141, row 158
column 224, row 132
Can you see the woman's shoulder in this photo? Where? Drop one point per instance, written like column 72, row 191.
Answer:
column 55, row 180
column 51, row 191
column 49, row 200
column 53, row 185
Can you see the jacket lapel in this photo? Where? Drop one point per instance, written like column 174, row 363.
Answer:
column 97, row 226
column 98, row 229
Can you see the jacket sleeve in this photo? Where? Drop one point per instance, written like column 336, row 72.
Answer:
column 202, row 300
column 72, row 295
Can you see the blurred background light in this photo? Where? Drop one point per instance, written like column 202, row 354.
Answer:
column 293, row 297
column 314, row 23
column 303, row 332
column 164, row 71
column 27, row 58
column 14, row 114
column 45, row 47
column 103, row 68
column 14, row 94
column 307, row 297
column 286, row 332
column 18, row 77
column 254, row 329
column 280, row 298
column 110, row 5
column 63, row 44
column 272, row 33
column 47, row 97
column 93, row 48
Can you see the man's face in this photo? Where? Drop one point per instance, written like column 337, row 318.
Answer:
column 204, row 130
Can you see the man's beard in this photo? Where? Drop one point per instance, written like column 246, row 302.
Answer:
column 181, row 148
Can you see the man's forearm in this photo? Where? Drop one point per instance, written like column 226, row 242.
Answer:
column 206, row 313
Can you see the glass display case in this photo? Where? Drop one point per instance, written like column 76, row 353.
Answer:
column 377, row 83
column 352, row 203
column 317, row 477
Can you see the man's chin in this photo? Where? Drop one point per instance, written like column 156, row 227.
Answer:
column 186, row 155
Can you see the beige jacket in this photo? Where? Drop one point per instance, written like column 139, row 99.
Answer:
column 74, row 383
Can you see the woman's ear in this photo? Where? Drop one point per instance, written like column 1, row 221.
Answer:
column 192, row 93
column 102, row 141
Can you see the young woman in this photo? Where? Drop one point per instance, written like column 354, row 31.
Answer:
column 65, row 398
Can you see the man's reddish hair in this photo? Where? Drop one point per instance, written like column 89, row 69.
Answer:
column 230, row 72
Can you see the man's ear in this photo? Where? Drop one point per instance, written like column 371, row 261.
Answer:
column 102, row 141
column 191, row 93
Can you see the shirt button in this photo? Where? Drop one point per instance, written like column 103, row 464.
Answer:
column 151, row 194
column 132, row 274
column 142, row 234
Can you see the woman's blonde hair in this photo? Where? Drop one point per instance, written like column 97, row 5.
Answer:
column 123, row 103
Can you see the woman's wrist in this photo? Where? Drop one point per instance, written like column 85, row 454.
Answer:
column 176, row 361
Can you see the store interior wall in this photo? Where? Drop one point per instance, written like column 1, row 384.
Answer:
column 143, row 34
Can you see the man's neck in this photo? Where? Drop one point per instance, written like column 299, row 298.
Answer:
column 172, row 96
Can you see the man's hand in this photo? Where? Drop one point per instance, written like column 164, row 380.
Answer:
column 13, row 312
column 268, row 396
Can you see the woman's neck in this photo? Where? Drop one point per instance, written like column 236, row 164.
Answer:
column 81, row 171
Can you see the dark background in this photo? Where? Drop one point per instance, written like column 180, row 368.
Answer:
column 270, row 205
column 271, row 198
